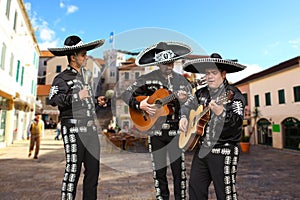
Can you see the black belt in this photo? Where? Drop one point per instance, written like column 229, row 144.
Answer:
column 219, row 144
column 78, row 121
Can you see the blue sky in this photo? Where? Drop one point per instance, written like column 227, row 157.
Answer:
column 259, row 33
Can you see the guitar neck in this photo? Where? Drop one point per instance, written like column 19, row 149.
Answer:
column 168, row 99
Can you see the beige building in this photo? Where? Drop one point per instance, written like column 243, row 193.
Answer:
column 18, row 69
column 275, row 92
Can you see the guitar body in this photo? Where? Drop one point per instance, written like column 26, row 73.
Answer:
column 195, row 129
column 142, row 120
column 188, row 142
column 197, row 122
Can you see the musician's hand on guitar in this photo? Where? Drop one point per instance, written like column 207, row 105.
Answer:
column 214, row 107
column 182, row 95
column 149, row 108
column 183, row 124
column 101, row 101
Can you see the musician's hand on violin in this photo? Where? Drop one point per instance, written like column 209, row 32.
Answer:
column 149, row 108
column 102, row 101
column 183, row 122
column 215, row 108
column 84, row 93
column 182, row 95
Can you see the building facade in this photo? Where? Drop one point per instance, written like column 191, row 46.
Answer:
column 19, row 55
column 275, row 93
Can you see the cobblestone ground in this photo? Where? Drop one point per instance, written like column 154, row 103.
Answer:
column 264, row 173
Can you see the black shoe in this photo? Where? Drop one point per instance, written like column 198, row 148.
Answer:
column 35, row 157
column 29, row 154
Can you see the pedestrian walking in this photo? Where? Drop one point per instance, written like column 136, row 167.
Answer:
column 36, row 131
column 58, row 130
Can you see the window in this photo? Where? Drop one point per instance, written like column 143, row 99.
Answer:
column 112, row 74
column 297, row 93
column 126, row 109
column 256, row 100
column 7, row 8
column 15, row 20
column 2, row 63
column 126, row 75
column 58, row 68
column 22, row 76
column 136, row 75
column 246, row 98
column 18, row 71
column 125, row 123
column 281, row 97
column 11, row 66
column 268, row 98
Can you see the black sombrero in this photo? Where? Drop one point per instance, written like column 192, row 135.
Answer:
column 74, row 43
column 162, row 53
column 214, row 61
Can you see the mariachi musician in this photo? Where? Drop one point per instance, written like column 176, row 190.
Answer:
column 216, row 159
column 72, row 93
column 163, row 134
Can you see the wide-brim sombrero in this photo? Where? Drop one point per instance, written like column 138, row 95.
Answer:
column 162, row 53
column 73, row 44
column 214, row 61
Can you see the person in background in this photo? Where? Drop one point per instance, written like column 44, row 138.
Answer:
column 36, row 131
column 58, row 130
column 164, row 134
column 217, row 154
column 72, row 93
column 124, row 130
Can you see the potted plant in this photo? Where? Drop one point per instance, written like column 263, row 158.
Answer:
column 245, row 143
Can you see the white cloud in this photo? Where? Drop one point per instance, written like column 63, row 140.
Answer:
column 251, row 69
column 71, row 9
column 45, row 35
column 47, row 44
column 295, row 43
column 61, row 5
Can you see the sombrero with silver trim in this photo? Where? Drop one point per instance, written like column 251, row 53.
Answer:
column 162, row 53
column 214, row 61
column 74, row 43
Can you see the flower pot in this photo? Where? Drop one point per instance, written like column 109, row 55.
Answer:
column 245, row 146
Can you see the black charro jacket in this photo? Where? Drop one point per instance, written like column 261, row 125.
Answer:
column 64, row 94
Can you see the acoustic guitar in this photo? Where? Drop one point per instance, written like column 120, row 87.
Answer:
column 197, row 121
column 161, row 97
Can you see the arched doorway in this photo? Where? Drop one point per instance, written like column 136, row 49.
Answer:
column 291, row 133
column 264, row 132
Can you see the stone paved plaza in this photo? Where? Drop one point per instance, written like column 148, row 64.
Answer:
column 263, row 173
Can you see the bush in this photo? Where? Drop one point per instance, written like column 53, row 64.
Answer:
column 245, row 139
